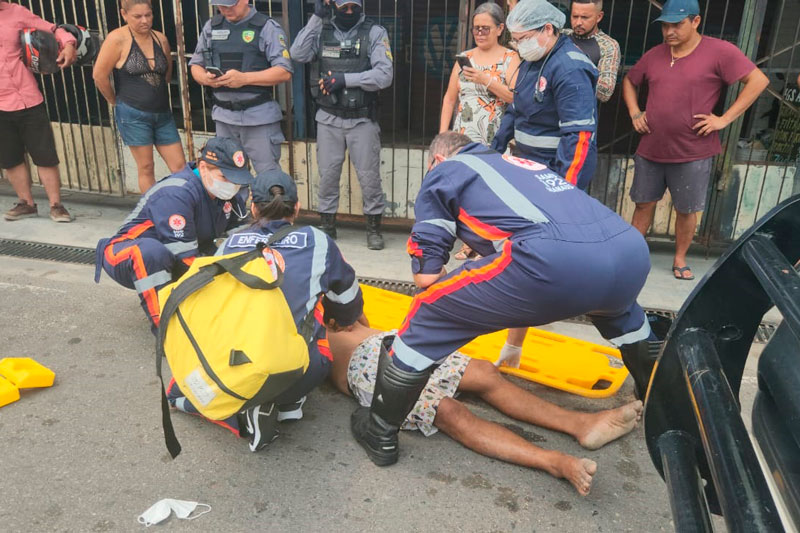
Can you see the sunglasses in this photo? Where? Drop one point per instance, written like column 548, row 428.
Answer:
column 482, row 30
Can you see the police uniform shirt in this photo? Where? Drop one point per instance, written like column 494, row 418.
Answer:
column 178, row 212
column 313, row 266
column 306, row 47
column 272, row 40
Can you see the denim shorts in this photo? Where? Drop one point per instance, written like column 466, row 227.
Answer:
column 142, row 128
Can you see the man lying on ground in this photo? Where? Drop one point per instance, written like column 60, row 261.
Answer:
column 355, row 365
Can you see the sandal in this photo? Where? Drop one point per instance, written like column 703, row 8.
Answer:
column 464, row 253
column 679, row 271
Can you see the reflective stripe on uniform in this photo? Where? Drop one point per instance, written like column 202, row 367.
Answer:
column 179, row 247
column 317, row 267
column 169, row 182
column 506, row 192
column 152, row 281
column 346, row 297
column 448, row 225
column 580, row 56
column 641, row 334
column 410, row 356
column 584, row 122
column 537, row 141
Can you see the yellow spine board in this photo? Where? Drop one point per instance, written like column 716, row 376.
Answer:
column 558, row 361
column 25, row 373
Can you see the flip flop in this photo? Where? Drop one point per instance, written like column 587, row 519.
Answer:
column 678, row 272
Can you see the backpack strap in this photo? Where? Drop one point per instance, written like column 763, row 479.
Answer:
column 204, row 276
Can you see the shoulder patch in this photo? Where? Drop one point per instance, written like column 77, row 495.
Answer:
column 527, row 164
column 177, row 222
column 285, row 54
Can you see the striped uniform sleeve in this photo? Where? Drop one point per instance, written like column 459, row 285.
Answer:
column 577, row 110
column 342, row 299
column 434, row 231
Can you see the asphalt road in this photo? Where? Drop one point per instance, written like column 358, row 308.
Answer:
column 88, row 453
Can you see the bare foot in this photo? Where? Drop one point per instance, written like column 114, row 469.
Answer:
column 579, row 472
column 610, row 425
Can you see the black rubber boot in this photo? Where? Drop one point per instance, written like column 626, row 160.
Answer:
column 327, row 223
column 396, row 392
column 640, row 357
column 374, row 237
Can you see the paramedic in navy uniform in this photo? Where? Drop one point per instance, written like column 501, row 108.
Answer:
column 175, row 221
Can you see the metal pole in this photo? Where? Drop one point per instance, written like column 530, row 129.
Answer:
column 685, row 486
column 744, row 495
column 183, row 79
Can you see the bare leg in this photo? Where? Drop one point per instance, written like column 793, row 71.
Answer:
column 172, row 154
column 493, row 440
column 643, row 216
column 516, row 336
column 685, row 224
column 591, row 430
column 51, row 181
column 20, row 179
column 143, row 155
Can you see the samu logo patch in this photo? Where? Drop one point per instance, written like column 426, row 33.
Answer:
column 248, row 36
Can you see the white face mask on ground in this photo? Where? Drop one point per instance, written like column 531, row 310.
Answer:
column 161, row 510
column 530, row 49
column 224, row 190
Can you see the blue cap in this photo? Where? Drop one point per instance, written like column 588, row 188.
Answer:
column 340, row 3
column 224, row 3
column 677, row 10
column 270, row 178
column 229, row 156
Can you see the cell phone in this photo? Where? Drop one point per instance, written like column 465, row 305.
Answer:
column 463, row 61
column 216, row 71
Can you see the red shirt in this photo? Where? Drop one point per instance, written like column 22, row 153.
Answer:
column 18, row 87
column 675, row 94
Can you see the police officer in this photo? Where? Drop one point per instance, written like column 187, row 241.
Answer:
column 318, row 285
column 352, row 61
column 550, row 252
column 241, row 55
column 175, row 221
column 553, row 119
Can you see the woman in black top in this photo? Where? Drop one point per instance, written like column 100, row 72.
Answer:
column 142, row 66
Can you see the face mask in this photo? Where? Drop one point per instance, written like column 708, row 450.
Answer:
column 224, row 190
column 531, row 50
column 348, row 20
column 161, row 510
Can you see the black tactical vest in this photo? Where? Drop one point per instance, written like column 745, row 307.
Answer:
column 235, row 46
column 351, row 55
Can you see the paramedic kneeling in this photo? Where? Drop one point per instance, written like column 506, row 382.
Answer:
column 318, row 285
column 550, row 252
column 175, row 221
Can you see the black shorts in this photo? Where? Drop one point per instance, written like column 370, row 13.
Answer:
column 27, row 130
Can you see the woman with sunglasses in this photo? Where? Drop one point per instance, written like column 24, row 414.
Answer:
column 480, row 91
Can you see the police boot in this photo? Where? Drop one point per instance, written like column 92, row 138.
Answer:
column 640, row 357
column 327, row 223
column 396, row 392
column 374, row 237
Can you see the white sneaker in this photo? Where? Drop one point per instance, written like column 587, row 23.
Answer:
column 262, row 425
column 291, row 411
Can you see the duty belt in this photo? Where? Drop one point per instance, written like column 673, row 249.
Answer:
column 241, row 105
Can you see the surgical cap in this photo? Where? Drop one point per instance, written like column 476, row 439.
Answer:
column 533, row 14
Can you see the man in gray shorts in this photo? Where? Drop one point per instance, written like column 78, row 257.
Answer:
column 685, row 76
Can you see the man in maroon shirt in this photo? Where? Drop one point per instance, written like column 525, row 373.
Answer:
column 685, row 76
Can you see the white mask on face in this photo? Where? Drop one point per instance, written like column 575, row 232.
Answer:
column 531, row 50
column 224, row 190
column 161, row 510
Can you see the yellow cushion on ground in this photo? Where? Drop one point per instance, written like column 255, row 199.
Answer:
column 558, row 361
column 8, row 392
column 26, row 373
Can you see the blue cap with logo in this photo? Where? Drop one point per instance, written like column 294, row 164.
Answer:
column 677, row 10
column 270, row 178
column 229, row 156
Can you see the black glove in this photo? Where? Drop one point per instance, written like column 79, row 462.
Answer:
column 333, row 82
column 321, row 9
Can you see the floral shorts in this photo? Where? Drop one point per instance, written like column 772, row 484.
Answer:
column 444, row 380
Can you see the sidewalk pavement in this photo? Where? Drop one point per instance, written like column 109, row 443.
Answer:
column 97, row 217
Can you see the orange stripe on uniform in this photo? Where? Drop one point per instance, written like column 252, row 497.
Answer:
column 481, row 229
column 580, row 157
column 324, row 348
column 465, row 277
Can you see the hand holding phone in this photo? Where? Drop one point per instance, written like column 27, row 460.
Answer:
column 463, row 61
column 214, row 71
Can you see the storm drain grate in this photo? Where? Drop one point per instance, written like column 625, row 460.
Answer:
column 85, row 256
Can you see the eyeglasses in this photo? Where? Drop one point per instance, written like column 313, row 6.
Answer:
column 514, row 43
column 481, row 30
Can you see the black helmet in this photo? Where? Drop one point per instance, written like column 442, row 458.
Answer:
column 88, row 43
column 39, row 50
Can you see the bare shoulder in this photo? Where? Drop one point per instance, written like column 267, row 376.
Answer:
column 161, row 38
